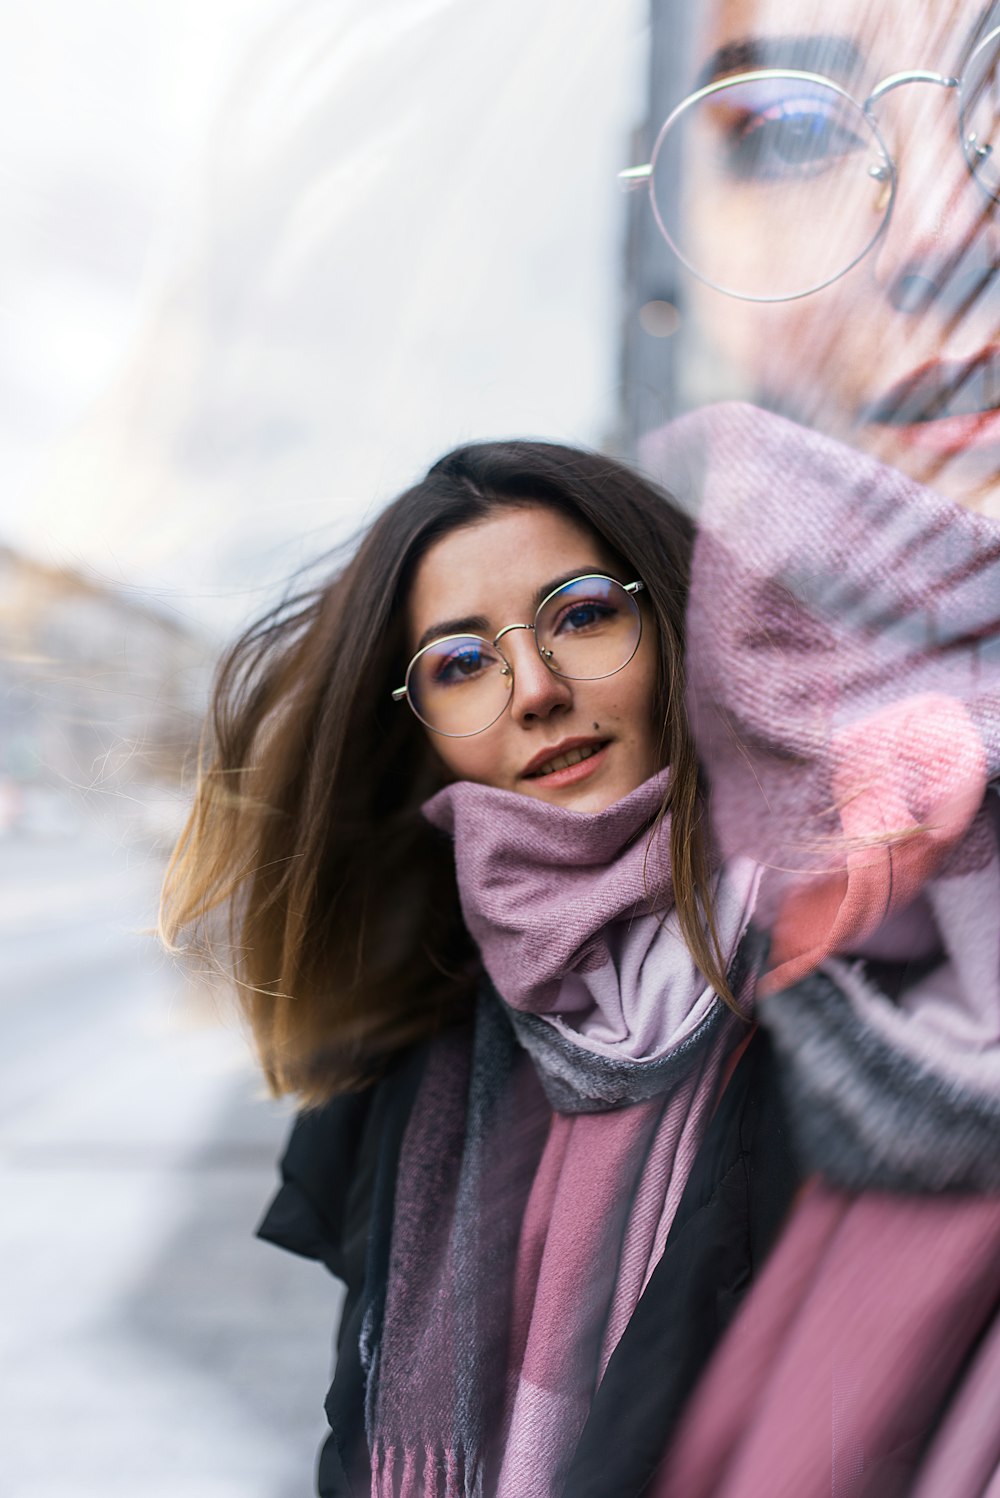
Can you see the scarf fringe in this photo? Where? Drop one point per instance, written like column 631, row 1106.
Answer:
column 423, row 1472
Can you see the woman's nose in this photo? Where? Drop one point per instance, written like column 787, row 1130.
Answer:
column 537, row 691
column 939, row 249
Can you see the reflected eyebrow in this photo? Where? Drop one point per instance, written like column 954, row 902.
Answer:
column 478, row 624
column 834, row 56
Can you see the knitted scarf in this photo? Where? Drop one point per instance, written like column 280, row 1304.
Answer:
column 844, row 679
column 548, row 1148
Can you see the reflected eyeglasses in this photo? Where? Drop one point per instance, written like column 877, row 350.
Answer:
column 799, row 172
column 584, row 630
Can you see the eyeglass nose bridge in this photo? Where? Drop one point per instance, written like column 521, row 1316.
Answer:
column 883, row 171
column 507, row 629
column 507, row 669
column 899, row 80
column 971, row 143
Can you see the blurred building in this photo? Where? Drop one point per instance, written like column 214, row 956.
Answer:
column 666, row 366
column 101, row 697
column 652, row 345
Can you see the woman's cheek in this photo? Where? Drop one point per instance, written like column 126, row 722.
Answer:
column 759, row 347
column 816, row 360
column 474, row 758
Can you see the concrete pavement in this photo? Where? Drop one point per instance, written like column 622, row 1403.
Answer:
column 150, row 1346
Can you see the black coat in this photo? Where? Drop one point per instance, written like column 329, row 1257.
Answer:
column 336, row 1202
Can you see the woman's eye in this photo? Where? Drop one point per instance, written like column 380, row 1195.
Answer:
column 460, row 666
column 789, row 140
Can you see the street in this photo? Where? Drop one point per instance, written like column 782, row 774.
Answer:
column 151, row 1345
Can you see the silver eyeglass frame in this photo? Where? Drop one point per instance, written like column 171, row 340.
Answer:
column 401, row 694
column 885, row 171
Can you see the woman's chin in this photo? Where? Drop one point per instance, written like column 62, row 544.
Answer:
column 590, row 800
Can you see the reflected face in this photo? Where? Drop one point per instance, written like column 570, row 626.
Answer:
column 578, row 744
column 787, row 180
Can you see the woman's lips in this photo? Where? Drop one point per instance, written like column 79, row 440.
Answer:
column 572, row 773
column 946, row 406
column 950, row 435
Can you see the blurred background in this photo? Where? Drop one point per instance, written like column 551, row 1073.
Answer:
column 261, row 263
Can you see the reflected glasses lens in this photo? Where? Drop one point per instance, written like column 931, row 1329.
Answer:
column 770, row 185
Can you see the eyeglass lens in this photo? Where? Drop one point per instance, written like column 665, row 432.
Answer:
column 799, row 174
column 586, row 629
column 795, row 171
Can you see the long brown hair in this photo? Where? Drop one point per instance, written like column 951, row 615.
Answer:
column 305, row 869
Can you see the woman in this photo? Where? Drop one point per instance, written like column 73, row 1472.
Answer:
column 535, row 1095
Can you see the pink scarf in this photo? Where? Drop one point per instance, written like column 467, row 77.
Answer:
column 838, row 1365
column 574, row 918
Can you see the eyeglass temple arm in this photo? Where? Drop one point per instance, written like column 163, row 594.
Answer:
column 635, row 176
column 634, row 587
column 399, row 694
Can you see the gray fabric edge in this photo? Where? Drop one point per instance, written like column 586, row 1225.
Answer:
column 576, row 1080
column 579, row 1081
column 867, row 1117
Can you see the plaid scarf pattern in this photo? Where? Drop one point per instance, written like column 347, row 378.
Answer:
column 549, row 1144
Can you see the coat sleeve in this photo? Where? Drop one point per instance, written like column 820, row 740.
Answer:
column 310, row 1213
column 335, row 1205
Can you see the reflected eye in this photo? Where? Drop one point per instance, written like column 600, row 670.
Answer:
column 788, row 139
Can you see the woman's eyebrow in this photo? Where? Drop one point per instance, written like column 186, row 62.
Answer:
column 542, row 592
column 834, row 56
column 471, row 624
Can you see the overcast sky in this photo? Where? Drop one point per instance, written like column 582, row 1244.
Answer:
column 263, row 261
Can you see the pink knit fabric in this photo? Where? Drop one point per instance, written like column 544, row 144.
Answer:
column 831, row 1378
column 605, row 1194
column 907, row 782
column 575, row 921
column 964, row 1459
column 574, row 916
column 843, row 671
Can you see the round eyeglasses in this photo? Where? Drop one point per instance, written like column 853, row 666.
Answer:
column 769, row 185
column 586, row 629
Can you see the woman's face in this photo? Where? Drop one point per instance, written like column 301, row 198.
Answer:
column 493, row 573
column 901, row 355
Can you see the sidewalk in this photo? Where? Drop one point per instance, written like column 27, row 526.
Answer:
column 151, row 1345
